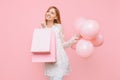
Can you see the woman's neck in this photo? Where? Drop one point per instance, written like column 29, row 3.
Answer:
column 50, row 24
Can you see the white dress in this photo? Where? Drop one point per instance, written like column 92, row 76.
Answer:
column 62, row 66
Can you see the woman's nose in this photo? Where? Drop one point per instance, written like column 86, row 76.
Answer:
column 48, row 14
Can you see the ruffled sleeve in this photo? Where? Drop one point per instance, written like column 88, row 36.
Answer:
column 68, row 43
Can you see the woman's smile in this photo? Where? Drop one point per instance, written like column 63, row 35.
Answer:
column 48, row 16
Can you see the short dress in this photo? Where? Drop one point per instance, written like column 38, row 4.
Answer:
column 62, row 65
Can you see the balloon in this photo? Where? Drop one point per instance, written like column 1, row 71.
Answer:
column 79, row 23
column 84, row 48
column 98, row 40
column 90, row 29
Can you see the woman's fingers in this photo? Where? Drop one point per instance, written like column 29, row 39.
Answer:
column 43, row 25
column 77, row 37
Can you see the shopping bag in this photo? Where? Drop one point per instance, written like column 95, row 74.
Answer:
column 43, row 45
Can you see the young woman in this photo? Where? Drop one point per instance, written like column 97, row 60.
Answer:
column 57, row 70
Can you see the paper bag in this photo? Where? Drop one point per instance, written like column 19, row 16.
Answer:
column 43, row 45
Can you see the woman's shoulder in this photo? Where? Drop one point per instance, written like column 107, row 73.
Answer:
column 58, row 25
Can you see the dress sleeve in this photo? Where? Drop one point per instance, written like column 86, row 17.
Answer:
column 68, row 43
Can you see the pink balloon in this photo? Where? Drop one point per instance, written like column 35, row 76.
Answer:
column 90, row 29
column 98, row 40
column 79, row 23
column 84, row 48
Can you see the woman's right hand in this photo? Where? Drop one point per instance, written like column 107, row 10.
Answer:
column 43, row 25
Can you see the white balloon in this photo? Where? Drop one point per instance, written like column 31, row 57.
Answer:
column 84, row 48
column 90, row 29
column 79, row 22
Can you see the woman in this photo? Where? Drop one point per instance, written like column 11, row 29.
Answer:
column 57, row 70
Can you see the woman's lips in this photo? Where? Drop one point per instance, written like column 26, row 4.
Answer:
column 48, row 16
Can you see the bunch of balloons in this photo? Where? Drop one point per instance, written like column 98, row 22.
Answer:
column 90, row 36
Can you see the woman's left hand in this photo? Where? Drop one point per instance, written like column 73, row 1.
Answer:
column 77, row 36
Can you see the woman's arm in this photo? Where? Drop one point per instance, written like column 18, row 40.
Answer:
column 71, row 41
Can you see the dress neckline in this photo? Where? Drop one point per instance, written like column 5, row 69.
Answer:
column 51, row 26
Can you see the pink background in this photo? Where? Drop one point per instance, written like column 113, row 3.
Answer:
column 18, row 18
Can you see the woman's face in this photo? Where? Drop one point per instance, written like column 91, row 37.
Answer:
column 50, row 14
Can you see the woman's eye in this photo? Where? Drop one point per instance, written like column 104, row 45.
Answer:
column 52, row 13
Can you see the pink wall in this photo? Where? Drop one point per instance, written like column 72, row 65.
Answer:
column 18, row 18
